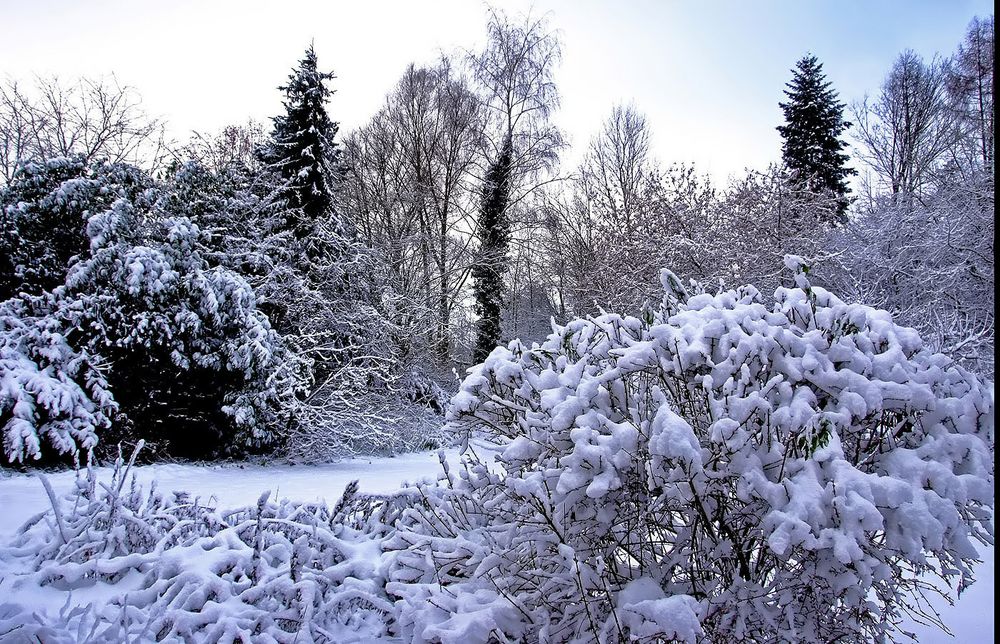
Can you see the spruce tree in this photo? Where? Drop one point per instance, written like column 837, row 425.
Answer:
column 302, row 151
column 491, row 261
column 814, row 121
column 323, row 289
column 304, row 240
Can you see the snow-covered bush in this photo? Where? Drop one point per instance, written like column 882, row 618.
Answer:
column 228, row 205
column 721, row 469
column 352, row 423
column 345, row 416
column 50, row 392
column 189, row 361
column 194, row 362
column 44, row 213
column 184, row 570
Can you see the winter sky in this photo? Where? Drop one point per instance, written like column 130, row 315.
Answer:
column 708, row 74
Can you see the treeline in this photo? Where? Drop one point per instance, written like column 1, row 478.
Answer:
column 916, row 239
column 273, row 288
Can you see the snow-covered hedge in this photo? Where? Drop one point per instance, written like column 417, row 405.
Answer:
column 724, row 468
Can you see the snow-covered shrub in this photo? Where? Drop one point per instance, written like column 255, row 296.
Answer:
column 722, row 469
column 104, row 276
column 420, row 387
column 361, row 423
column 44, row 213
column 184, row 570
column 228, row 204
column 195, row 362
column 403, row 413
column 50, row 392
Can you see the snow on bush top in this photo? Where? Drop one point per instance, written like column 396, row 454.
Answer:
column 787, row 468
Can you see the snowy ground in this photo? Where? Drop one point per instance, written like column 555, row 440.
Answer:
column 22, row 496
column 971, row 619
column 232, row 486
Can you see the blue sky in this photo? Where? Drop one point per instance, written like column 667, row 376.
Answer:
column 708, row 74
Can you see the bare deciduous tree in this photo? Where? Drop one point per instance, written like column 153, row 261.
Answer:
column 234, row 146
column 92, row 117
column 971, row 90
column 930, row 264
column 515, row 72
column 617, row 171
column 414, row 187
column 907, row 128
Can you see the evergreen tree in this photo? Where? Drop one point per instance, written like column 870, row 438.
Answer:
column 302, row 151
column 491, row 262
column 321, row 287
column 814, row 122
column 308, row 246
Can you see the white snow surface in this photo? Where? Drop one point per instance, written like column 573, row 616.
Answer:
column 971, row 619
column 233, row 485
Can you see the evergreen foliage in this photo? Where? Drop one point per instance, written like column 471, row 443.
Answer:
column 229, row 204
column 44, row 213
column 491, row 261
column 302, row 151
column 196, row 369
column 125, row 328
column 50, row 391
column 814, row 122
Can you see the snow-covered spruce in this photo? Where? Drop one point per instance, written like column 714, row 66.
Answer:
column 722, row 469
